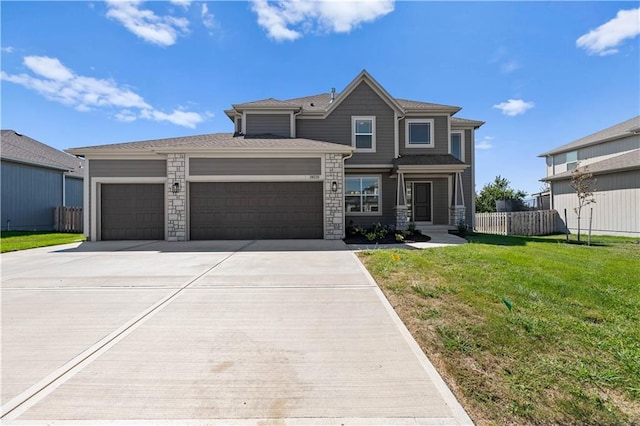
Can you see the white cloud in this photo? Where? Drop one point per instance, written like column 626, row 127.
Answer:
column 58, row 83
column 207, row 18
column 485, row 143
column 160, row 30
column 7, row 49
column 514, row 107
column 604, row 39
column 509, row 67
column 278, row 18
column 184, row 3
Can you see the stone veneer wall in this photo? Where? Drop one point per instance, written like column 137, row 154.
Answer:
column 333, row 201
column 176, row 202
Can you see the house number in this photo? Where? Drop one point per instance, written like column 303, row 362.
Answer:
column 314, row 177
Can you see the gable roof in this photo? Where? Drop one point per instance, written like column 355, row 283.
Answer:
column 628, row 161
column 618, row 131
column 23, row 149
column 321, row 104
column 216, row 141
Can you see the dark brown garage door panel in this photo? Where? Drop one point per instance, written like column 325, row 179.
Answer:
column 132, row 211
column 256, row 210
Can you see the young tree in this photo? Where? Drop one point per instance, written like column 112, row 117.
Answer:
column 584, row 184
column 499, row 189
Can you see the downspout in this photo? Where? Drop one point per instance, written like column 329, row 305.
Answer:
column 295, row 123
column 397, row 136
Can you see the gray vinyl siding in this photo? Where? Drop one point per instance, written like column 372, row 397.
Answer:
column 73, row 192
column 440, row 201
column 388, row 216
column 254, row 166
column 599, row 152
column 128, row 168
column 336, row 128
column 30, row 195
column 275, row 124
column 440, row 136
column 616, row 209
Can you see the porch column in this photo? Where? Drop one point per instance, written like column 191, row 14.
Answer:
column 401, row 208
column 457, row 211
column 176, row 201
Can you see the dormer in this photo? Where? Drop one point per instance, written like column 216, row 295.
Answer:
column 267, row 116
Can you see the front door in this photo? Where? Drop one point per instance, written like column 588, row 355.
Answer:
column 422, row 202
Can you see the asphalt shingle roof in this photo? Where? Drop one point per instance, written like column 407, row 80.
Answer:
column 216, row 140
column 17, row 147
column 427, row 160
column 270, row 102
column 626, row 128
column 627, row 161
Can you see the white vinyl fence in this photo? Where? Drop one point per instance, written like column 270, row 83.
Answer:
column 539, row 222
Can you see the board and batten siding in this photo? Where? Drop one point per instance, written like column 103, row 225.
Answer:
column 440, row 136
column 30, row 195
column 274, row 124
column 254, row 166
column 128, row 168
column 336, row 127
column 615, row 211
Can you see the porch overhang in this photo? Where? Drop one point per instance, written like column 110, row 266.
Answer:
column 428, row 163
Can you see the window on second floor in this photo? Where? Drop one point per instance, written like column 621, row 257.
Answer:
column 457, row 145
column 364, row 134
column 572, row 160
column 419, row 133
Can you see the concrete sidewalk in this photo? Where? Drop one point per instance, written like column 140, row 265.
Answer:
column 245, row 332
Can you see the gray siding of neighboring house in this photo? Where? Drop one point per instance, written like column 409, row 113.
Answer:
column 336, row 128
column 254, row 166
column 388, row 216
column 73, row 192
column 440, row 135
column 616, row 209
column 30, row 195
column 594, row 153
column 128, row 168
column 275, row 124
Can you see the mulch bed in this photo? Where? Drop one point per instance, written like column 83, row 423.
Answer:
column 389, row 239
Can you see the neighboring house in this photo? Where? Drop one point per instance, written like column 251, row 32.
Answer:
column 36, row 179
column 297, row 168
column 613, row 156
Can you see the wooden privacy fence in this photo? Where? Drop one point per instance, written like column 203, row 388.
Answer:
column 539, row 222
column 68, row 219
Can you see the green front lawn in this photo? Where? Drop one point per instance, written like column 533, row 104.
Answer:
column 22, row 240
column 525, row 330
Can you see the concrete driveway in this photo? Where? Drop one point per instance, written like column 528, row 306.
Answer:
column 234, row 332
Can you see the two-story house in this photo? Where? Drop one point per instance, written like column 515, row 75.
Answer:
column 296, row 168
column 612, row 155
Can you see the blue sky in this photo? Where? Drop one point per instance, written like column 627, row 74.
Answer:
column 540, row 74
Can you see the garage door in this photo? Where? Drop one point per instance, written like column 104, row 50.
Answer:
column 132, row 212
column 256, row 210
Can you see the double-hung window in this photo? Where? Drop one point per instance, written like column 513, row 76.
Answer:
column 419, row 133
column 457, row 145
column 364, row 134
column 362, row 195
column 572, row 160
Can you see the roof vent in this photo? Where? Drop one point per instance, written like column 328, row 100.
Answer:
column 333, row 94
column 312, row 104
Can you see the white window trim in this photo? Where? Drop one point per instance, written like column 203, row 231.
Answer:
column 462, row 153
column 431, row 132
column 567, row 162
column 373, row 132
column 379, row 212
